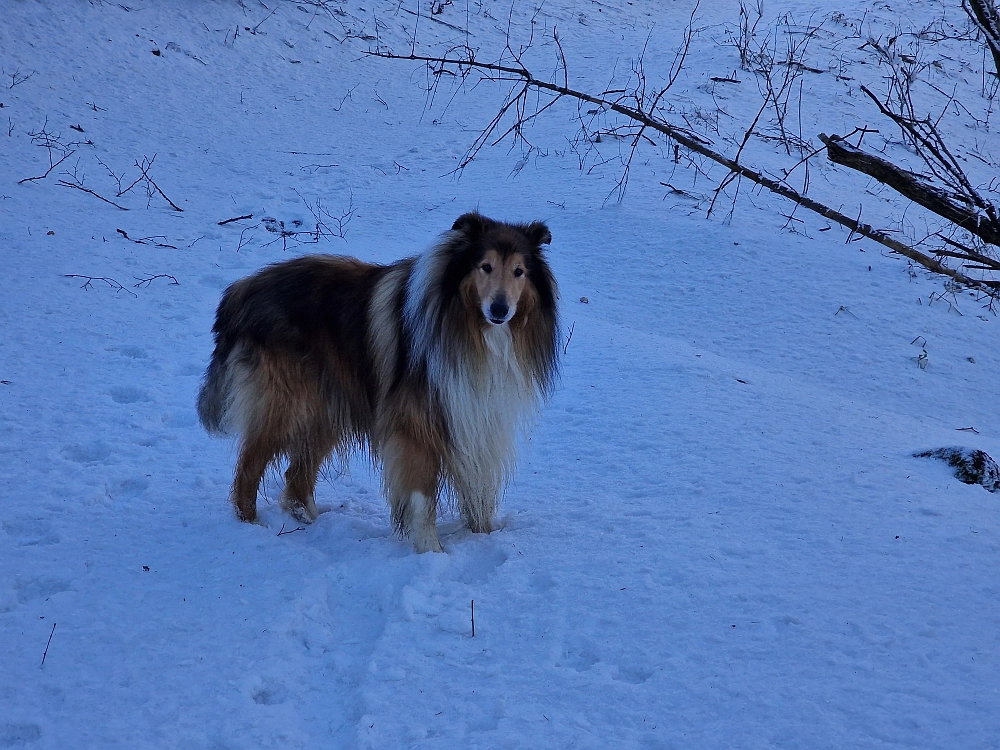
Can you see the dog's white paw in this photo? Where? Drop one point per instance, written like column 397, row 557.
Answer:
column 423, row 530
column 303, row 513
column 427, row 541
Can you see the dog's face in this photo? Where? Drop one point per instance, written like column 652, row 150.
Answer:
column 499, row 283
column 503, row 258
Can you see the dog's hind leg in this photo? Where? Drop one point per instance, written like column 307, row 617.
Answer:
column 477, row 502
column 411, row 481
column 299, row 495
column 255, row 455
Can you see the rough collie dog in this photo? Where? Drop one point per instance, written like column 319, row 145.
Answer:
column 434, row 364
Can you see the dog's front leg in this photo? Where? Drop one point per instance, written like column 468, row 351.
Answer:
column 422, row 525
column 411, row 482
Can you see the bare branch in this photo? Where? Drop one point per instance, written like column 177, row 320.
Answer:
column 17, row 77
column 47, row 171
column 986, row 18
column 235, row 218
column 145, row 281
column 145, row 166
column 953, row 207
column 79, row 186
column 523, row 77
column 88, row 282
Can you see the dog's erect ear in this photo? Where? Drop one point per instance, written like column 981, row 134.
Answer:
column 471, row 225
column 538, row 233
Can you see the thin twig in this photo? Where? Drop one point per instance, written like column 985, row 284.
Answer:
column 147, row 280
column 242, row 242
column 48, row 171
column 569, row 337
column 88, row 190
column 235, row 218
column 88, row 282
column 147, row 164
column 46, row 652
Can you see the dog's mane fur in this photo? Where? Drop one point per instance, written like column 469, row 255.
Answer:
column 487, row 382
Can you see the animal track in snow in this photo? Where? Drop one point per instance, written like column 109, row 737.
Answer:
column 132, row 352
column 31, row 531
column 481, row 565
column 128, row 394
column 579, row 656
column 634, row 674
column 19, row 735
column 87, row 453
column 30, row 589
column 179, row 419
column 271, row 695
column 129, row 488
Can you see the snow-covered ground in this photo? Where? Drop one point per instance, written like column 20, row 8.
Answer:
column 717, row 535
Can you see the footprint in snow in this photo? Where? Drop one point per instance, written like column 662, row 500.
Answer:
column 579, row 656
column 191, row 368
column 184, row 418
column 269, row 696
column 266, row 693
column 132, row 352
column 87, row 453
column 482, row 564
column 541, row 583
column 31, row 531
column 30, row 589
column 214, row 281
column 128, row 394
column 633, row 674
column 126, row 489
column 19, row 735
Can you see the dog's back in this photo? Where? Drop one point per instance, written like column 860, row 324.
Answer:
column 310, row 311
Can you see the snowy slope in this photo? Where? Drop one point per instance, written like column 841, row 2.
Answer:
column 717, row 535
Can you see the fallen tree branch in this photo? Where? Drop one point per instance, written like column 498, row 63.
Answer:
column 235, row 218
column 524, row 76
column 968, row 254
column 88, row 282
column 912, row 186
column 147, row 280
column 48, row 171
column 147, row 164
column 930, row 146
column 984, row 15
column 88, row 190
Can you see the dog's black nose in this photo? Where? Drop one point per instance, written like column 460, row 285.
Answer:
column 499, row 309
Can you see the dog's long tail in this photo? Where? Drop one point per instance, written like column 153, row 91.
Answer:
column 214, row 398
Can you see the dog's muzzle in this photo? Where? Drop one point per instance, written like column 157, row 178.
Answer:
column 499, row 311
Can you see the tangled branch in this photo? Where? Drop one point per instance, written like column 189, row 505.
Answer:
column 88, row 282
column 956, row 207
column 985, row 16
column 523, row 81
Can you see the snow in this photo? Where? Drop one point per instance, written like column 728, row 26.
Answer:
column 717, row 535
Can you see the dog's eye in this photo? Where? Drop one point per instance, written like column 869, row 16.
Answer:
column 487, row 268
column 518, row 272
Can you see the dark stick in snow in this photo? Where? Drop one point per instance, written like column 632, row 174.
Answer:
column 46, row 652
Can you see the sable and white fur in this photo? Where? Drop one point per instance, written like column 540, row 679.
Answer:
column 434, row 364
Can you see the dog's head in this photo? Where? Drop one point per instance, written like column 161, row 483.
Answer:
column 499, row 262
